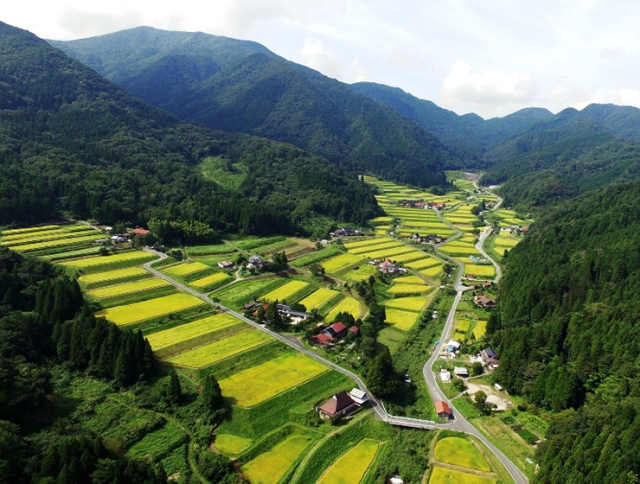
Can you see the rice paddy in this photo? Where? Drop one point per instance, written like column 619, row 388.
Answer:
column 367, row 242
column 479, row 270
column 409, row 280
column 403, row 320
column 218, row 350
column 186, row 268
column 237, row 294
column 128, row 288
column 352, row 466
column 340, row 262
column 135, row 257
column 347, row 305
column 210, row 280
column 283, row 292
column 112, row 275
column 271, row 466
column 259, row 383
column 231, row 445
column 480, row 329
column 409, row 289
column 136, row 312
column 188, row 331
column 407, row 303
column 424, row 263
column 440, row 475
column 318, row 298
column 461, row 452
column 56, row 243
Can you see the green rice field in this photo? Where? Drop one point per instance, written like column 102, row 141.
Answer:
column 112, row 275
column 340, row 262
column 209, row 280
column 232, row 445
column 237, row 294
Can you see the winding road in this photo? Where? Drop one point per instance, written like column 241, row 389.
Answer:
column 458, row 423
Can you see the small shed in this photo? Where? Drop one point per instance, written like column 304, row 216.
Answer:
column 359, row 396
column 445, row 376
column 442, row 410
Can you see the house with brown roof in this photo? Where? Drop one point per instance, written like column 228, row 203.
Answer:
column 484, row 301
column 340, row 404
column 443, row 410
column 322, row 339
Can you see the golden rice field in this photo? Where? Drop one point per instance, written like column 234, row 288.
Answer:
column 232, row 445
column 283, row 292
column 28, row 229
column 479, row 270
column 318, row 298
column 348, row 305
column 185, row 332
column 47, row 235
column 352, row 466
column 219, row 350
column 100, row 260
column 207, row 281
column 462, row 326
column 56, row 243
column 271, row 466
column 112, row 275
column 415, row 303
column 128, row 288
column 506, row 241
column 408, row 288
column 432, row 271
column 424, row 263
column 363, row 272
column 340, row 262
column 460, row 452
column 480, row 329
column 364, row 243
column 259, row 383
column 140, row 311
column 409, row 256
column 440, row 475
column 409, row 280
column 403, row 320
column 386, row 245
column 186, row 268
column 387, row 253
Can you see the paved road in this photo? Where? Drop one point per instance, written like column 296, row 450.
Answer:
column 459, row 422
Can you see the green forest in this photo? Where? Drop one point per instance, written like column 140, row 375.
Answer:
column 567, row 334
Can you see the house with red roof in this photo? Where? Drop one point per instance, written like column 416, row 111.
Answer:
column 443, row 410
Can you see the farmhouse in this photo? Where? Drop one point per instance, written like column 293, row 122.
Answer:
column 442, row 410
column 340, row 404
column 285, row 310
column 256, row 262
column 140, row 232
column 489, row 356
column 226, row 265
column 484, row 301
column 461, row 371
column 322, row 339
column 333, row 333
column 345, row 232
column 251, row 305
column 388, row 267
column 453, row 345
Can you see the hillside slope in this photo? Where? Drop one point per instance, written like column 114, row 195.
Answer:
column 73, row 143
column 242, row 87
column 568, row 334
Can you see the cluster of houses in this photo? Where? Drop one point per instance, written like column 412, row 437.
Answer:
column 346, row 232
column 128, row 235
column 343, row 403
column 333, row 334
column 478, row 260
column 388, row 267
column 432, row 239
column 484, row 302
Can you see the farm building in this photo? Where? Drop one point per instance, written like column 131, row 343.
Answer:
column 453, row 345
column 138, row 231
column 226, row 265
column 358, row 396
column 334, row 332
column 484, row 301
column 340, row 404
column 296, row 316
column 443, row 410
column 489, row 357
column 322, row 339
column 256, row 262
column 445, row 376
column 460, row 371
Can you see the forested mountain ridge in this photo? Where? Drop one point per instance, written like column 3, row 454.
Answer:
column 254, row 91
column 568, row 333
column 74, row 143
column 469, row 134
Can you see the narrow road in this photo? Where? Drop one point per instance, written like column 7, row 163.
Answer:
column 459, row 422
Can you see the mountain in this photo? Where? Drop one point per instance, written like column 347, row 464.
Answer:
column 567, row 334
column 468, row 135
column 75, row 144
column 574, row 152
column 243, row 87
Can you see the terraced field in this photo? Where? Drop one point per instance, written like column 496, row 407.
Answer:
column 486, row 271
column 407, row 303
column 212, row 280
column 283, row 292
column 318, row 298
column 67, row 241
column 270, row 467
column 189, row 331
column 242, row 292
column 185, row 269
column 403, row 320
column 348, row 305
column 128, row 288
column 340, row 262
column 134, row 313
column 135, row 257
column 114, row 275
column 218, row 350
column 353, row 465
column 259, row 383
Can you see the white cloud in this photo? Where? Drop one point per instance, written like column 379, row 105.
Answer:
column 488, row 87
column 316, row 56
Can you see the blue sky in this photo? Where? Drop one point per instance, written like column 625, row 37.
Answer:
column 490, row 57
